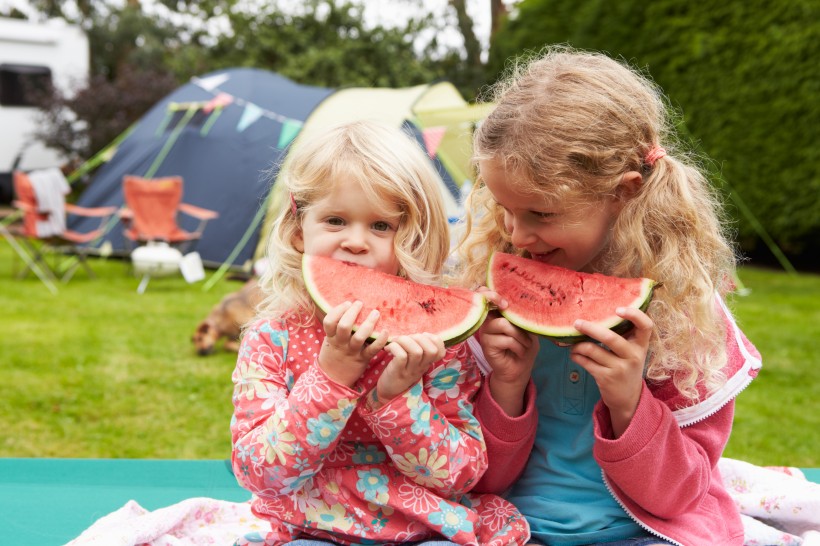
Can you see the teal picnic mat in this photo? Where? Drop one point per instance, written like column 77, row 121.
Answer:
column 48, row 502
column 812, row 474
column 51, row 501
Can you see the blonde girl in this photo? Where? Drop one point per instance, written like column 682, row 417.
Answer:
column 578, row 166
column 343, row 440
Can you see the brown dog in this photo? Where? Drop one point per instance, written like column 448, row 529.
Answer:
column 227, row 318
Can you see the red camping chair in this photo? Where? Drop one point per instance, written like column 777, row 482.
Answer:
column 40, row 229
column 152, row 207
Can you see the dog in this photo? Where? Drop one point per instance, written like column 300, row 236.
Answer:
column 227, row 318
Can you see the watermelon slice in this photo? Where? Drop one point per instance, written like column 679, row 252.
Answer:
column 405, row 307
column 546, row 300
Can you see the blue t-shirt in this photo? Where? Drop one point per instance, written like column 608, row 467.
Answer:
column 562, row 493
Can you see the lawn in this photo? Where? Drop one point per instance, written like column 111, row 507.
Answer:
column 101, row 371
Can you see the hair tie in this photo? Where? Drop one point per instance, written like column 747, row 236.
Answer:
column 653, row 155
column 293, row 208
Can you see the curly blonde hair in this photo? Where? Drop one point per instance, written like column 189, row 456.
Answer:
column 392, row 168
column 569, row 124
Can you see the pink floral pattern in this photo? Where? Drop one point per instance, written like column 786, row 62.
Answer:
column 321, row 462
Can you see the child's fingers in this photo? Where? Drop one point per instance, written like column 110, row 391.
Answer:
column 348, row 319
column 496, row 324
column 412, row 347
column 499, row 343
column 643, row 325
column 397, row 350
column 365, row 329
column 331, row 321
column 499, row 326
column 432, row 346
column 378, row 343
column 588, row 355
column 493, row 297
column 622, row 346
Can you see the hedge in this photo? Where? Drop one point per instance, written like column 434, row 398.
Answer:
column 744, row 76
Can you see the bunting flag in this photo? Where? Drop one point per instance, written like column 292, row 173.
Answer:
column 209, row 84
column 219, row 101
column 290, row 128
column 250, row 114
column 432, row 139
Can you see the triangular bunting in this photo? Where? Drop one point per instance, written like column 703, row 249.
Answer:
column 290, row 128
column 432, row 139
column 209, row 84
column 219, row 101
column 249, row 115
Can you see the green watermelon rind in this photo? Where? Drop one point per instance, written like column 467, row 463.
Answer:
column 473, row 329
column 453, row 335
column 570, row 335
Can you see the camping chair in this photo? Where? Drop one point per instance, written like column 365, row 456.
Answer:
column 41, row 226
column 151, row 213
column 151, row 222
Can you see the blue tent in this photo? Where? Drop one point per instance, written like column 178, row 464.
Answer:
column 225, row 133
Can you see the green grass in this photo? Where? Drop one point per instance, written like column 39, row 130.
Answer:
column 101, row 371
column 777, row 418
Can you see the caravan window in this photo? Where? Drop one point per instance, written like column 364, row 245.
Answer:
column 20, row 84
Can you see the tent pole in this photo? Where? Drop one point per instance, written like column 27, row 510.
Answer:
column 219, row 273
column 163, row 153
column 103, row 156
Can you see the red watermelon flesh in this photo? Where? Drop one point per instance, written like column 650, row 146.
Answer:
column 546, row 300
column 405, row 307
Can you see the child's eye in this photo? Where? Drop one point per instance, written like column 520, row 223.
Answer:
column 542, row 215
column 382, row 226
column 335, row 221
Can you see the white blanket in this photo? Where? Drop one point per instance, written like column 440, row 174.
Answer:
column 779, row 507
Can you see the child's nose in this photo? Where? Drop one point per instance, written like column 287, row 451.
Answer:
column 355, row 240
column 520, row 235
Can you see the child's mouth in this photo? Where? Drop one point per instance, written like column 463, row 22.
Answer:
column 545, row 257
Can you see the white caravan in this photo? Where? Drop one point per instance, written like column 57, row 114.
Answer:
column 33, row 54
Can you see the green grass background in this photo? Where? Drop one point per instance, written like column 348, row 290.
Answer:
column 101, row 371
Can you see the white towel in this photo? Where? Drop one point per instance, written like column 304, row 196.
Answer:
column 50, row 188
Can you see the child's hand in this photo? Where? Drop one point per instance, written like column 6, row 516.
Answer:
column 412, row 357
column 345, row 354
column 618, row 366
column 511, row 353
column 493, row 297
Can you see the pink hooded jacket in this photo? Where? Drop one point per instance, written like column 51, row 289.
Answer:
column 663, row 469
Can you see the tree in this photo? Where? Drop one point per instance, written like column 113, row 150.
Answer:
column 128, row 75
column 324, row 44
column 85, row 122
column 136, row 56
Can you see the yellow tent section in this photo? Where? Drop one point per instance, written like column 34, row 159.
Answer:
column 456, row 147
column 436, row 108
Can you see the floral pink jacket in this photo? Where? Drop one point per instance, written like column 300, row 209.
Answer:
column 322, row 463
column 664, row 468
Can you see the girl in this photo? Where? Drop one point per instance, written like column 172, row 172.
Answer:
column 340, row 439
column 577, row 167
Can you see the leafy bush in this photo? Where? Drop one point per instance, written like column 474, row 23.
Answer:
column 744, row 75
column 86, row 122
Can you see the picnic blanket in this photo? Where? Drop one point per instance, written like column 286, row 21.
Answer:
column 778, row 505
